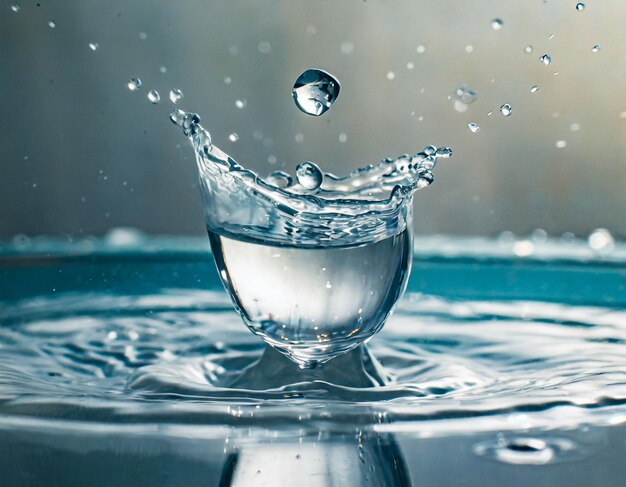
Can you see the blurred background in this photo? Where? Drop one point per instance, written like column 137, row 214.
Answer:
column 80, row 153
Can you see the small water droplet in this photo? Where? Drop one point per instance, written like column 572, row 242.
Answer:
column 596, row 48
column 561, row 144
column 134, row 84
column 410, row 65
column 574, row 127
column 391, row 75
column 176, row 95
column 469, row 49
column 347, row 47
column 233, row 137
column 280, row 179
column 343, row 137
column 474, row 127
column 154, row 97
column 506, row 110
column 580, row 6
column 228, row 80
column 143, row 36
column 299, row 137
column 309, row 176
column 443, row 152
column 550, row 37
column 264, row 47
column 163, row 69
column 315, row 91
column 545, row 59
column 311, row 29
column 601, row 240
column 94, row 46
column 233, row 50
column 496, row 24
column 528, row 49
column 421, row 49
column 272, row 159
column 52, row 24
column 465, row 95
column 534, row 89
column 15, row 7
column 241, row 103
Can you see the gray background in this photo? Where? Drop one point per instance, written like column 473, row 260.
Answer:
column 80, row 153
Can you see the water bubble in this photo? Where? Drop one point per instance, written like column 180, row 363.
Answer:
column 561, row 144
column 280, row 179
column 315, row 91
column 534, row 89
column 496, row 24
column 241, row 103
column 506, row 110
column 601, row 240
column 52, row 24
column 176, row 95
column 473, row 126
column 154, row 97
column 347, row 47
column 343, row 137
column 134, row 84
column 143, row 36
column 264, row 47
column 421, row 49
column 580, row 6
column 94, row 46
column 545, row 59
column 596, row 48
column 528, row 49
column 16, row 7
column 391, row 75
column 309, row 176
column 233, row 137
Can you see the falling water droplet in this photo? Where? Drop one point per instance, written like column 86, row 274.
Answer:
column 474, row 127
column 469, row 49
column 534, row 89
column 596, row 48
column 280, row 179
column 52, row 24
column 241, row 103
column 343, row 137
column 545, row 59
column 163, row 69
column 465, row 95
column 421, row 49
column 391, row 75
column 176, row 95
column 561, row 144
column 143, row 36
column 264, row 47
column 154, row 97
column 410, row 65
column 94, row 46
column 574, row 127
column 315, row 91
column 134, row 84
column 506, row 110
column 16, row 7
column 580, row 6
column 496, row 24
column 309, row 176
column 601, row 240
column 233, row 137
column 228, row 80
column 528, row 49
column 347, row 47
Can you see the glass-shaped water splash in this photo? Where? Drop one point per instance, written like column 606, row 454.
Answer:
column 317, row 272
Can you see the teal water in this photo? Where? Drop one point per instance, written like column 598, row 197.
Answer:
column 124, row 356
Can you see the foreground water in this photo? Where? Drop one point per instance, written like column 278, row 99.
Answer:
column 131, row 359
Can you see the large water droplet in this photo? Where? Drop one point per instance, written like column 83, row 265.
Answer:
column 506, row 110
column 134, row 84
column 315, row 91
column 580, row 6
column 474, row 127
column 154, row 96
column 496, row 24
column 176, row 95
column 280, row 179
column 545, row 59
column 309, row 176
column 94, row 46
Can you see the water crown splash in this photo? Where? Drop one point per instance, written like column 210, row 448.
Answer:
column 314, row 266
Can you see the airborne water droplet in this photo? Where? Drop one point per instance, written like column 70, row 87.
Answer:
column 154, row 97
column 596, row 48
column 580, row 6
column 528, row 49
column 264, row 47
column 421, row 49
column 534, row 89
column 94, row 46
column 315, row 91
column 506, row 110
column 233, row 137
column 176, row 95
column 496, row 24
column 16, row 7
column 474, row 127
column 52, row 24
column 391, row 75
column 443, row 152
column 561, row 144
column 134, row 84
column 343, row 137
column 241, row 103
column 545, row 59
column 309, row 176
column 601, row 240
column 465, row 95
